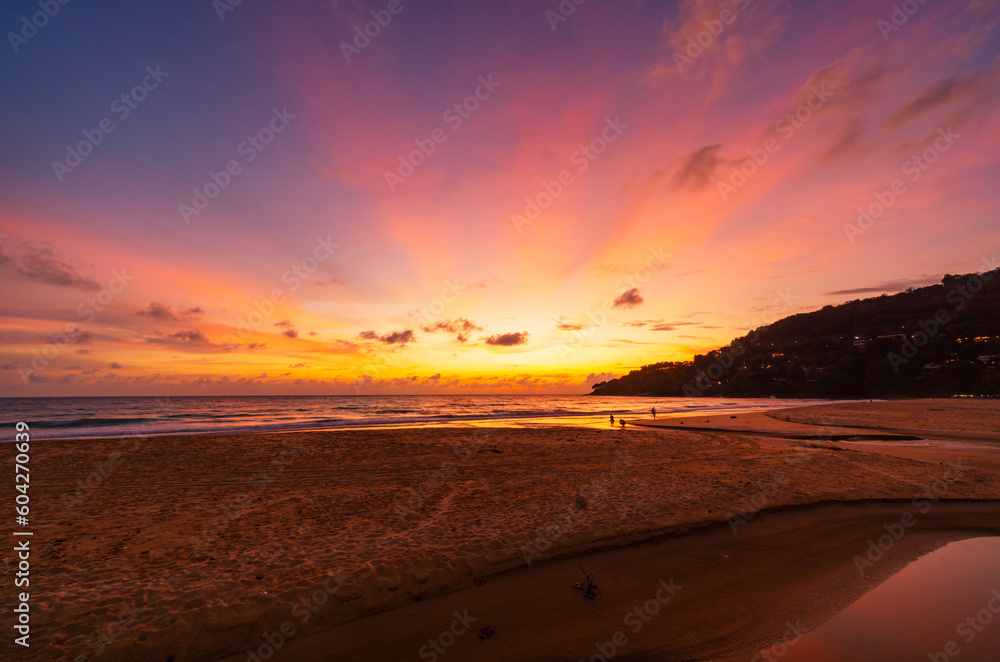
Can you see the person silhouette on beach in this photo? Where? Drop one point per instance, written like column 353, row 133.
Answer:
column 621, row 421
column 654, row 413
column 612, row 419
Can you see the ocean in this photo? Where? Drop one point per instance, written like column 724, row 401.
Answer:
column 81, row 418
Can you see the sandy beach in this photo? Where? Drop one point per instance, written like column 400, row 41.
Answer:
column 368, row 544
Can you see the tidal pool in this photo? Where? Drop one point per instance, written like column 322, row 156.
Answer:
column 944, row 606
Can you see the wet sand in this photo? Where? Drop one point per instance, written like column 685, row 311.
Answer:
column 201, row 548
column 704, row 595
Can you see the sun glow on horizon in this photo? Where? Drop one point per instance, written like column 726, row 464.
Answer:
column 597, row 207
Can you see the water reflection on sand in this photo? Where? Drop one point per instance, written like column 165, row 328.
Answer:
column 943, row 606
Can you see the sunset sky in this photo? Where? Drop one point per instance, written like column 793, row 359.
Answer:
column 576, row 210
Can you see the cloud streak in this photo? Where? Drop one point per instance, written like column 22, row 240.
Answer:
column 39, row 263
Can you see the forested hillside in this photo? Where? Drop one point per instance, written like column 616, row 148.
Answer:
column 940, row 340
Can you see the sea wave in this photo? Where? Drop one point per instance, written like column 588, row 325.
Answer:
column 83, row 418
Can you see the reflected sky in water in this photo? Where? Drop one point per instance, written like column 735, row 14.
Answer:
column 921, row 613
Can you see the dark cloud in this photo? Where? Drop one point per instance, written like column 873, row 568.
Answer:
column 289, row 328
column 39, row 263
column 193, row 335
column 933, row 96
column 460, row 326
column 160, row 311
column 849, row 84
column 849, row 81
column 658, row 325
column 850, row 139
column 628, row 299
column 298, row 365
column 889, row 287
column 398, row 337
column 697, row 168
column 401, row 338
column 563, row 326
column 116, row 365
column 508, row 339
column 256, row 345
column 74, row 337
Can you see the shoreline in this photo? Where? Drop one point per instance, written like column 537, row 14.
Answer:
column 214, row 538
column 149, row 427
column 705, row 568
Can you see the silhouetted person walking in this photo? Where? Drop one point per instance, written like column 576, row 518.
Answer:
column 654, row 413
